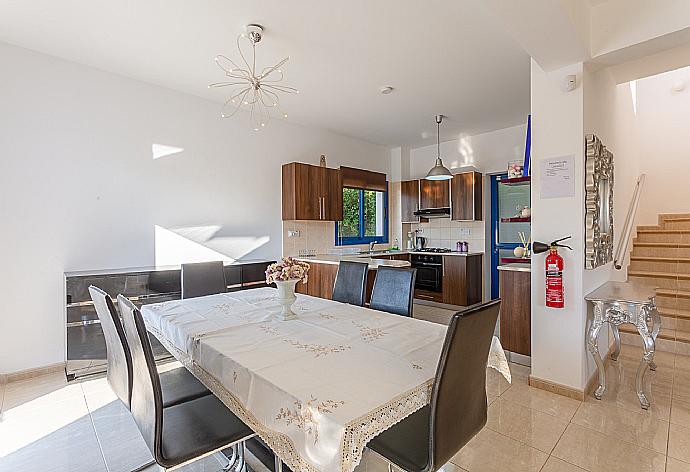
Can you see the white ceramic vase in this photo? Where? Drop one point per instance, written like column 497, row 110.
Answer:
column 286, row 297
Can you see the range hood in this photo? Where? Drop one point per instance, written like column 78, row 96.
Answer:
column 433, row 213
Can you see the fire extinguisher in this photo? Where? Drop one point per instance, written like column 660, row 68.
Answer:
column 554, row 271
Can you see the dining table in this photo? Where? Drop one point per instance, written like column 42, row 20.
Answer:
column 316, row 388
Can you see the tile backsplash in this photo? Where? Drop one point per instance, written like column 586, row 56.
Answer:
column 442, row 232
column 314, row 237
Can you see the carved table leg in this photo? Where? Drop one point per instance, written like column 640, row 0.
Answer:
column 593, row 345
column 617, row 342
column 647, row 359
column 656, row 327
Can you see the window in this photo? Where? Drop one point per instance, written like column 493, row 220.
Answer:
column 365, row 217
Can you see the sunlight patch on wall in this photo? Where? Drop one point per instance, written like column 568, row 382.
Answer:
column 633, row 95
column 163, row 150
column 176, row 246
column 174, row 249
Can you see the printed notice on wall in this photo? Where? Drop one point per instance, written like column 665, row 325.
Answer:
column 557, row 179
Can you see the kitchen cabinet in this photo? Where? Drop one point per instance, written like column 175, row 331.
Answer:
column 462, row 279
column 515, row 324
column 467, row 197
column 409, row 201
column 312, row 193
column 434, row 194
column 320, row 281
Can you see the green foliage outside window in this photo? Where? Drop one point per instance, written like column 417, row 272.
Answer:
column 364, row 217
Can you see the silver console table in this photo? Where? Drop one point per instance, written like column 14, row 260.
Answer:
column 616, row 303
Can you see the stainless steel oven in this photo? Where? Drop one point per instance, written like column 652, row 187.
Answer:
column 429, row 272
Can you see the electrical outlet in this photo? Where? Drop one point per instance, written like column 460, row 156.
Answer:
column 465, row 232
column 293, row 234
column 420, row 230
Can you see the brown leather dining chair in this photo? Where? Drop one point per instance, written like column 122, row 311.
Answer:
column 430, row 437
column 351, row 282
column 177, row 385
column 393, row 290
column 203, row 278
column 177, row 434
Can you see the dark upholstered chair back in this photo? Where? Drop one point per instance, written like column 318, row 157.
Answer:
column 458, row 398
column 351, row 282
column 203, row 278
column 393, row 290
column 119, row 359
column 147, row 397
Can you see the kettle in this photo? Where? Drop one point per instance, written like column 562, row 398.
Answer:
column 420, row 242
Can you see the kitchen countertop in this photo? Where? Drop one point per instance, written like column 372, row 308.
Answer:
column 336, row 258
column 516, row 267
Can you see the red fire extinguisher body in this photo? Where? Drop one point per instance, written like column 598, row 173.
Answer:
column 554, row 279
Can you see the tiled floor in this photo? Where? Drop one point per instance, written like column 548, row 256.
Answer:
column 49, row 425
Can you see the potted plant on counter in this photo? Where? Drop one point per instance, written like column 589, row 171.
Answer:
column 285, row 274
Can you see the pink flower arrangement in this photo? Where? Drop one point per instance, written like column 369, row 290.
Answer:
column 288, row 268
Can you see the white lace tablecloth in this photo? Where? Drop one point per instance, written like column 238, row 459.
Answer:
column 315, row 389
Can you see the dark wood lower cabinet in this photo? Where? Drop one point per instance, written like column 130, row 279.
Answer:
column 320, row 281
column 515, row 324
column 462, row 279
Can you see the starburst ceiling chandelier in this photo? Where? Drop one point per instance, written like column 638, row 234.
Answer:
column 256, row 92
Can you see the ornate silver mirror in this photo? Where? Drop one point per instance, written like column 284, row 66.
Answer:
column 598, row 203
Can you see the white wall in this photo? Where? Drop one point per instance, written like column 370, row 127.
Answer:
column 557, row 130
column 663, row 139
column 488, row 152
column 79, row 188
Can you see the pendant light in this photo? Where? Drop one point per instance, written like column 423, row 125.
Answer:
column 439, row 171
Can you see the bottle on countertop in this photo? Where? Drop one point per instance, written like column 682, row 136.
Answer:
column 396, row 245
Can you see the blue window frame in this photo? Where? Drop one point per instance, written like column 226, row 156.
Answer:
column 365, row 217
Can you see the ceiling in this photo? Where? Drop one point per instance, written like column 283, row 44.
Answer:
column 448, row 57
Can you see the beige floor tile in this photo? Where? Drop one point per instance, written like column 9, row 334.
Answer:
column 638, row 427
column 490, row 451
column 679, row 443
column 541, row 400
column 620, row 392
column 680, row 412
column 45, row 389
column 597, row 452
column 556, row 465
column 674, row 465
column 523, row 424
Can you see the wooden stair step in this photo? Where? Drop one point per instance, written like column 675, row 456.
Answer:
column 672, row 335
column 671, row 245
column 663, row 231
column 672, row 293
column 685, row 260
column 658, row 275
column 674, row 313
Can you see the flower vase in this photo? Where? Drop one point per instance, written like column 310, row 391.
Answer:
column 286, row 298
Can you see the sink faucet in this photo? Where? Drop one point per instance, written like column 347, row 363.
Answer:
column 371, row 245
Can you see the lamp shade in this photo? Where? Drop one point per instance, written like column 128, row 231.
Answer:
column 439, row 172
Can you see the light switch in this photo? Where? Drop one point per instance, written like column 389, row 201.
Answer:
column 465, row 232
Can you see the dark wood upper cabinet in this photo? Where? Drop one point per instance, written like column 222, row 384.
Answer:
column 434, row 194
column 467, row 196
column 462, row 279
column 312, row 193
column 409, row 201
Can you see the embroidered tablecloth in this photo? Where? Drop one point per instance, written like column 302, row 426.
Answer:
column 315, row 389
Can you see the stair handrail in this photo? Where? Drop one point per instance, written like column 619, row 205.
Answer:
column 622, row 249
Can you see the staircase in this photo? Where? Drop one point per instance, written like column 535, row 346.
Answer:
column 661, row 257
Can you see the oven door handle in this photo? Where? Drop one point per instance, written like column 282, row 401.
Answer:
column 426, row 264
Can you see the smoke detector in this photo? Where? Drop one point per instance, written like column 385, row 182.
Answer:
column 385, row 90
